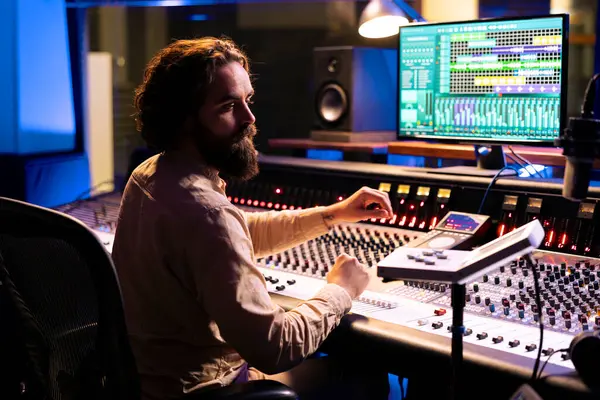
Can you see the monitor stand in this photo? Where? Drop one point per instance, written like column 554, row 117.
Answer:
column 490, row 160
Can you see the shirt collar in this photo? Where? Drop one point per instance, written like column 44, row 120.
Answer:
column 194, row 165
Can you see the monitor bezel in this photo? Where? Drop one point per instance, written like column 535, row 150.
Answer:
column 484, row 141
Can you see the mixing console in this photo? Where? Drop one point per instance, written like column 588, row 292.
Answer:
column 501, row 317
column 500, row 312
column 500, row 307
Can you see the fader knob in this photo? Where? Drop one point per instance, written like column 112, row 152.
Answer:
column 531, row 347
column 548, row 351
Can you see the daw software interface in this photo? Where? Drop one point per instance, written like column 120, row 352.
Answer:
column 488, row 80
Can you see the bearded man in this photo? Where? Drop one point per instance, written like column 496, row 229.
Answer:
column 197, row 309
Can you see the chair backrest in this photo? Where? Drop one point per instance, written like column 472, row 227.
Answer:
column 60, row 298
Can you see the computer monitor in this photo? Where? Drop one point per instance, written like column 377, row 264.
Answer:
column 484, row 82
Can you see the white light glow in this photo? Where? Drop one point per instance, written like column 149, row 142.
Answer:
column 381, row 27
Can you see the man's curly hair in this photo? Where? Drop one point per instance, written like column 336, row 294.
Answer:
column 175, row 84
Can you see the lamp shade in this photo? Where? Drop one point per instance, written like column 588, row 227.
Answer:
column 381, row 18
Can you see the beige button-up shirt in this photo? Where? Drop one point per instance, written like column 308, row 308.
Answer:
column 196, row 306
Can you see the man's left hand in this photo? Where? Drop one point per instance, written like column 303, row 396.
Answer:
column 366, row 203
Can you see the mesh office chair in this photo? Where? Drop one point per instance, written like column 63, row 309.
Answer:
column 62, row 328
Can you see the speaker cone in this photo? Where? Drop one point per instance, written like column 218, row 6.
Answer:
column 332, row 103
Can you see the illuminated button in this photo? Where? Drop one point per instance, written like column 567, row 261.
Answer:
column 440, row 311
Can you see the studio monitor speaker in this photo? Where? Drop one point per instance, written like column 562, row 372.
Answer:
column 355, row 96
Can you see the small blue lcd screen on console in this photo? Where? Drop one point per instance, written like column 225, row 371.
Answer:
column 460, row 223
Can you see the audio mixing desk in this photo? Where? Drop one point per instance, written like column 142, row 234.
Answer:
column 404, row 325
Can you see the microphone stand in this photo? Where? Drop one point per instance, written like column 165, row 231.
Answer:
column 458, row 302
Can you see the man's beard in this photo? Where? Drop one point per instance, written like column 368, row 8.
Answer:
column 234, row 156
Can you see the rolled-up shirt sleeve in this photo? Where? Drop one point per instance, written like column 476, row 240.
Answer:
column 233, row 292
column 275, row 231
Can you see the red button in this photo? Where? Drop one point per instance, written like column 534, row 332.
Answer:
column 440, row 311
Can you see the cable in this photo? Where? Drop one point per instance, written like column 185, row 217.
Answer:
column 523, row 159
column 494, row 179
column 538, row 302
column 77, row 202
column 587, row 109
column 548, row 359
column 517, row 161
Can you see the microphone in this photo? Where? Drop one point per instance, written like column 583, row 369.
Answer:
column 580, row 143
column 581, row 146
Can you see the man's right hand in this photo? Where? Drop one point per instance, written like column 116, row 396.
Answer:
column 348, row 273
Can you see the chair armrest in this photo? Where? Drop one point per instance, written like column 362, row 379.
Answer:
column 253, row 390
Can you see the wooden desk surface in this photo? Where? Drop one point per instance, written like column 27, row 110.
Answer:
column 363, row 147
column 549, row 156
